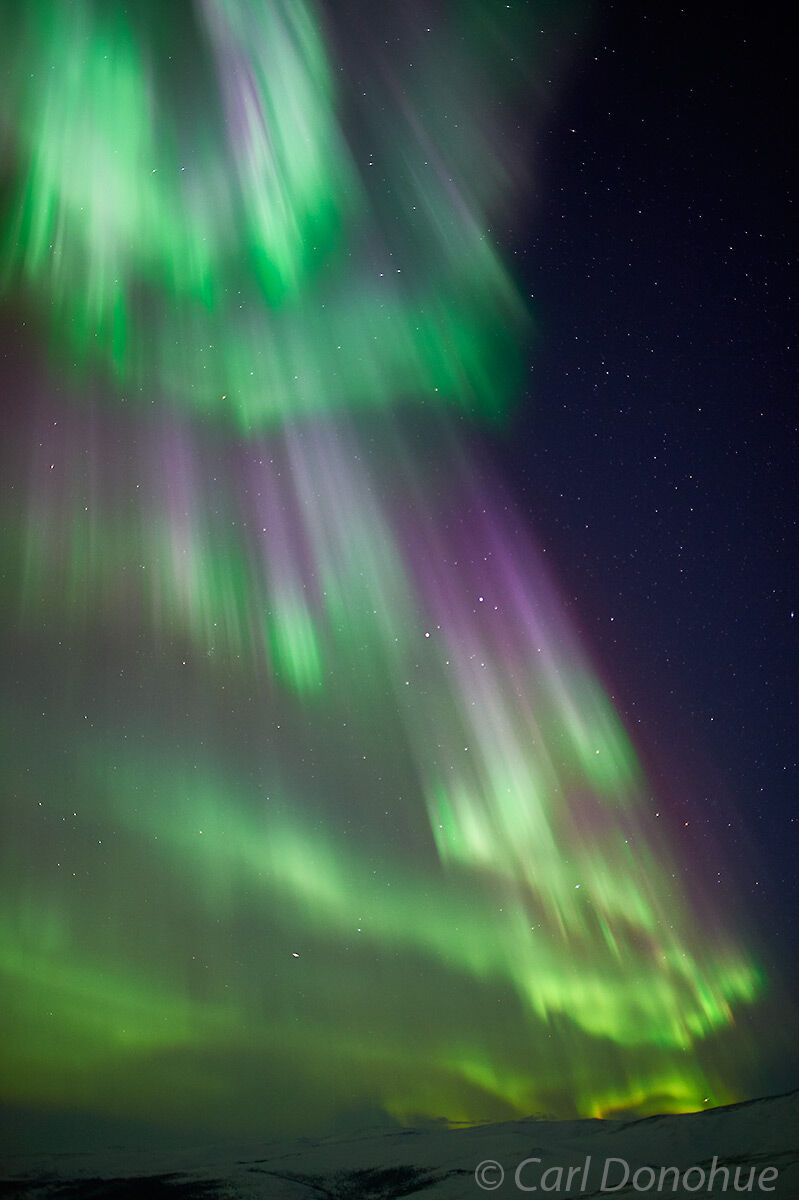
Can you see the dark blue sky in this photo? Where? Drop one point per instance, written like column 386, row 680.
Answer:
column 657, row 452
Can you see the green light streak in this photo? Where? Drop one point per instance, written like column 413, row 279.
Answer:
column 175, row 940
column 479, row 927
column 236, row 273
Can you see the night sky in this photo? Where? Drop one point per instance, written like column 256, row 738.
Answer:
column 657, row 447
column 396, row 535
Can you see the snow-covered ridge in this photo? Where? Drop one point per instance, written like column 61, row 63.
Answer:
column 390, row 1163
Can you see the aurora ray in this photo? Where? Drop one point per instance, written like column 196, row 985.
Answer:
column 322, row 740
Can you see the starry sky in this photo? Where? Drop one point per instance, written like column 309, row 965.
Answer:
column 396, row 528
column 661, row 479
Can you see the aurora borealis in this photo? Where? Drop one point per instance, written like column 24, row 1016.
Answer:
column 316, row 800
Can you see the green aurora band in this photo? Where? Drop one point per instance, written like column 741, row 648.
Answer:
column 255, row 284
column 315, row 800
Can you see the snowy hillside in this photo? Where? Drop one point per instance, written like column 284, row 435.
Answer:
column 387, row 1164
